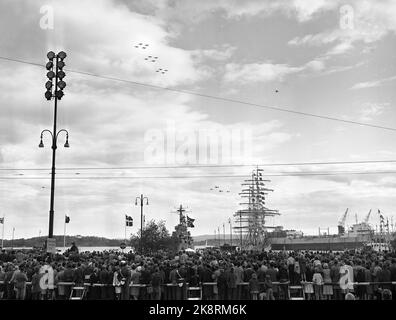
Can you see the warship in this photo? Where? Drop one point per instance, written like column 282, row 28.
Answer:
column 358, row 236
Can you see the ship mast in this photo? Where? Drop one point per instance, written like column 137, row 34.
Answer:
column 250, row 222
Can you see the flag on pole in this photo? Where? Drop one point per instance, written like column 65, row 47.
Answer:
column 190, row 222
column 2, row 220
column 67, row 219
column 128, row 221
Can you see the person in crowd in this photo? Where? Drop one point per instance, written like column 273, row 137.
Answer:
column 59, row 279
column 73, row 248
column 230, row 271
column 297, row 272
column 327, row 282
column 308, row 286
column 36, row 290
column 156, row 283
column 375, row 275
column 103, row 280
column 283, row 276
column 222, row 284
column 10, row 293
column 68, row 276
column 238, row 279
column 135, row 281
column 2, row 285
column 206, row 278
column 254, row 287
column 360, row 277
column 393, row 276
column 231, row 279
column 290, row 267
column 94, row 292
column 317, row 281
column 335, row 278
column 117, row 278
column 273, row 273
column 350, row 296
column 386, row 294
column 125, row 280
column 19, row 279
column 268, row 286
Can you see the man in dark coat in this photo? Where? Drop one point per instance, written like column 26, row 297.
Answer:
column 206, row 276
column 125, row 274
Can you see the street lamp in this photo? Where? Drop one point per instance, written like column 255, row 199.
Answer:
column 55, row 73
column 230, row 222
column 141, row 202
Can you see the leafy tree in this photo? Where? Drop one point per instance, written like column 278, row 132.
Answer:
column 393, row 244
column 155, row 237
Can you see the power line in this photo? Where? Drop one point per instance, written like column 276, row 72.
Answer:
column 282, row 174
column 206, row 166
column 203, row 95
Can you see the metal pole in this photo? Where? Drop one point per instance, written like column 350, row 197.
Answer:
column 51, row 212
column 240, row 228
column 215, row 237
column 12, row 242
column 2, row 234
column 64, row 236
column 231, row 232
column 141, row 224
column 224, row 233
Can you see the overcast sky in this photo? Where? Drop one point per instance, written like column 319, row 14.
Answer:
column 299, row 55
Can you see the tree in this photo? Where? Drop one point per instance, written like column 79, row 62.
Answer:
column 393, row 244
column 155, row 237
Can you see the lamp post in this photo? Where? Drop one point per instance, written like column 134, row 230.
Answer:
column 12, row 242
column 224, row 237
column 230, row 222
column 54, row 90
column 141, row 202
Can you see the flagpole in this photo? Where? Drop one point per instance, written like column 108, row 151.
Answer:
column 64, row 235
column 12, row 243
column 2, row 234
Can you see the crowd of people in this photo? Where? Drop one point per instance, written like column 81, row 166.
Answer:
column 222, row 275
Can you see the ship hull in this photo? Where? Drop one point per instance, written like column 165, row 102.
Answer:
column 320, row 244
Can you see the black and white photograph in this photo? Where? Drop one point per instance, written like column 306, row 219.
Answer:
column 226, row 152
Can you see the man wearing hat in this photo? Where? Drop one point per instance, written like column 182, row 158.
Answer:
column 125, row 280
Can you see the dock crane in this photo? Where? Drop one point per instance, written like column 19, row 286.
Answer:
column 341, row 223
column 367, row 217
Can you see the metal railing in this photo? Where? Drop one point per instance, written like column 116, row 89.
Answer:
column 213, row 284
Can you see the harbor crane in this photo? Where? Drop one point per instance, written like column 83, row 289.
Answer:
column 341, row 223
column 367, row 217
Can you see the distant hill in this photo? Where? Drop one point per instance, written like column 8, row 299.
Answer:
column 211, row 241
column 81, row 241
column 91, row 241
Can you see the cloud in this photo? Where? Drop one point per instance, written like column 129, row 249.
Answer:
column 197, row 11
column 372, row 110
column 372, row 84
column 219, row 53
column 371, row 21
column 257, row 72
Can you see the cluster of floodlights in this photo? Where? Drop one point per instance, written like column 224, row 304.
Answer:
column 55, row 72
